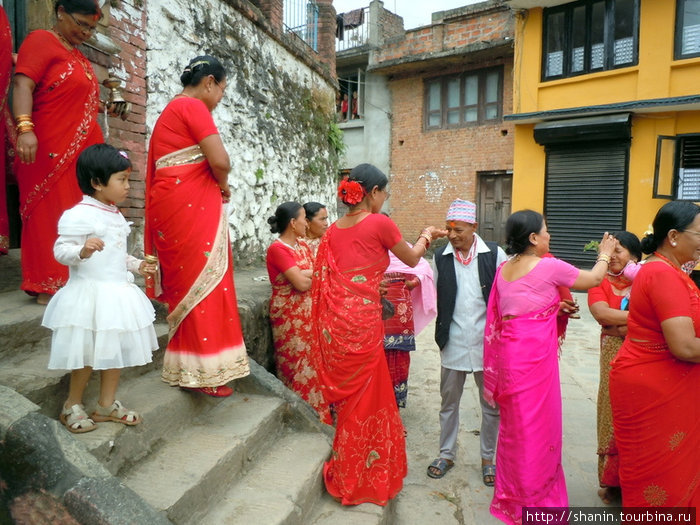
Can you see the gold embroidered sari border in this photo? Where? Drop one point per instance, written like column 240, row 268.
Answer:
column 188, row 155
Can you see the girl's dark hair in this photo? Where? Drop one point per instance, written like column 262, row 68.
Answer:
column 97, row 163
column 674, row 215
column 369, row 176
column 519, row 226
column 81, row 7
column 284, row 213
column 630, row 242
column 312, row 208
column 201, row 67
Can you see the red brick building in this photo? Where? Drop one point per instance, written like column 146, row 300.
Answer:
column 450, row 85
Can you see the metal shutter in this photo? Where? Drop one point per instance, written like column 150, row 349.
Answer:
column 584, row 196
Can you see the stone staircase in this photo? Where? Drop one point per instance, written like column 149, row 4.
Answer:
column 253, row 458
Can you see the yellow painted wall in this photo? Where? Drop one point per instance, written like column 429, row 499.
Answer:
column 657, row 75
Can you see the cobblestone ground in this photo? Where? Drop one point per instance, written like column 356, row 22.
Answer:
column 461, row 497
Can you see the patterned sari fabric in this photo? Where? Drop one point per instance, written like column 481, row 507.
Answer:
column 5, row 77
column 290, row 317
column 186, row 228
column 368, row 461
column 399, row 334
column 521, row 375
column 65, row 108
column 654, row 395
column 608, row 461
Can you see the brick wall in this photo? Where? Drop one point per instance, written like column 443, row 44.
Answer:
column 127, row 28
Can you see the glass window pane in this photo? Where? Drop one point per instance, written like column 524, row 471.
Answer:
column 471, row 115
column 471, row 90
column 453, row 93
column 554, row 52
column 433, row 96
column 434, row 120
column 453, row 116
column 690, row 38
column 492, row 82
column 598, row 35
column 623, row 52
column 491, row 112
column 578, row 39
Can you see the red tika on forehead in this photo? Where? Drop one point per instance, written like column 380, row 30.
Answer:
column 453, row 224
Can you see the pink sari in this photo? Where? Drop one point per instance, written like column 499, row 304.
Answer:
column 521, row 375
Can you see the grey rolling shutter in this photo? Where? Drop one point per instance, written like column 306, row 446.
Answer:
column 584, row 196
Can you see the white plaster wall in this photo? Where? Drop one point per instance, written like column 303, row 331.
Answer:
column 269, row 150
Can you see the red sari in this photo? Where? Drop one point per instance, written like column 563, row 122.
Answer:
column 368, row 461
column 290, row 317
column 655, row 396
column 64, row 111
column 5, row 77
column 186, row 228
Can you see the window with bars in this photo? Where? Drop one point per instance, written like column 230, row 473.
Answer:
column 687, row 29
column 471, row 98
column 677, row 171
column 589, row 36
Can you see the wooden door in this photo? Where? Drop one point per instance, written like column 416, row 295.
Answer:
column 494, row 204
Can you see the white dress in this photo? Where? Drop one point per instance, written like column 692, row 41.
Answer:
column 100, row 318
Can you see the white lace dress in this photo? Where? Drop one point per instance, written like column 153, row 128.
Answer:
column 100, row 318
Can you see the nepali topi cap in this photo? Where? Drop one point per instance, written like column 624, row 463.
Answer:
column 461, row 210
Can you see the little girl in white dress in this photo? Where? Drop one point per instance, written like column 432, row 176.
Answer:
column 100, row 319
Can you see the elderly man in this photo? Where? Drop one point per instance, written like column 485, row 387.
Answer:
column 464, row 273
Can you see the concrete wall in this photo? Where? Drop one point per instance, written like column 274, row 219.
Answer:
column 274, row 119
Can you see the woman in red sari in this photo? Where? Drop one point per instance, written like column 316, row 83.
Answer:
column 290, row 266
column 55, row 104
column 655, row 378
column 608, row 304
column 187, row 229
column 5, row 77
column 368, row 461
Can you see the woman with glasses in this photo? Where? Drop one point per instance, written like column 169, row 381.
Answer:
column 55, row 104
column 655, row 378
column 187, row 229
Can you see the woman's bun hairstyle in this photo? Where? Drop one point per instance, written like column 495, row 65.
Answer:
column 369, row 176
column 97, row 163
column 81, row 7
column 201, row 67
column 674, row 215
column 519, row 226
column 284, row 214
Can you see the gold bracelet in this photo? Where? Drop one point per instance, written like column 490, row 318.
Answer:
column 427, row 239
column 24, row 127
column 23, row 118
column 604, row 257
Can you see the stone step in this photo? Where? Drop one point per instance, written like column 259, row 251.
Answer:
column 279, row 489
column 26, row 357
column 329, row 512
column 193, row 468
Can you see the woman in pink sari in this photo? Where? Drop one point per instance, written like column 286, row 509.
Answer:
column 187, row 229
column 521, row 369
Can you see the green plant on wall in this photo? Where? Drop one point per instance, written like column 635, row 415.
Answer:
column 335, row 138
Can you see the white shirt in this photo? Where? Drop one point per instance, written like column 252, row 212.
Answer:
column 465, row 347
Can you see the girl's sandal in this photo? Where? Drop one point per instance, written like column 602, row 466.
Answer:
column 116, row 413
column 76, row 420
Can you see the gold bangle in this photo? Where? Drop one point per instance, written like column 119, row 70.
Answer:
column 24, row 127
column 23, row 118
column 603, row 257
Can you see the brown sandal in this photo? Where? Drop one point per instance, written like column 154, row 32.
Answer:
column 116, row 413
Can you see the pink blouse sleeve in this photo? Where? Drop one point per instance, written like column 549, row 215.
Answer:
column 562, row 273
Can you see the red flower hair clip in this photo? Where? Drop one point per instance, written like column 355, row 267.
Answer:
column 350, row 192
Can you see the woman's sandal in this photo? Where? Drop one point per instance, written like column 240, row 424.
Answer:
column 76, row 420
column 439, row 467
column 116, row 413
column 488, row 474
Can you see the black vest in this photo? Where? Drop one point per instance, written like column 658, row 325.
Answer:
column 447, row 286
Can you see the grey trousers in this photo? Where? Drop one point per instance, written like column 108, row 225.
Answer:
column 451, row 388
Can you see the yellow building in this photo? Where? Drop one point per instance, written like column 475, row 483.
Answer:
column 606, row 106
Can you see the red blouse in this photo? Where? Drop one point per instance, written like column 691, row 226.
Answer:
column 360, row 244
